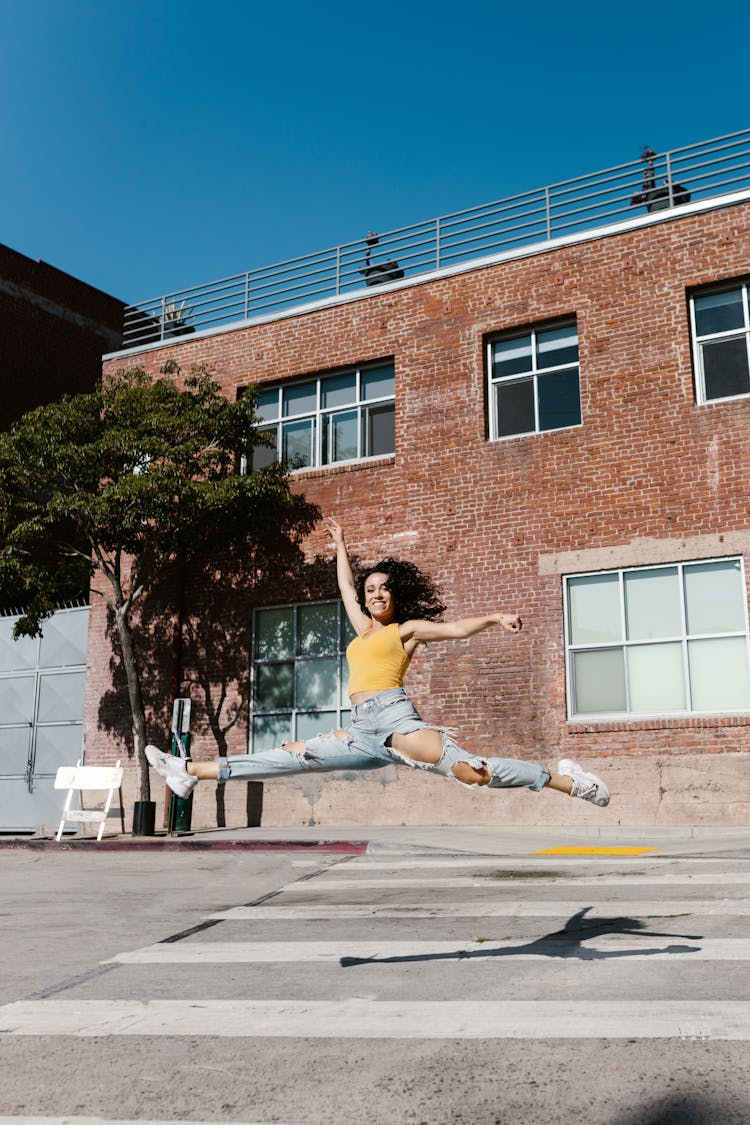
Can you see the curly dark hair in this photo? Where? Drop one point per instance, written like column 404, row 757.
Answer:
column 416, row 597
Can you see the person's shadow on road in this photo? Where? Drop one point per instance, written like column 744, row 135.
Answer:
column 564, row 943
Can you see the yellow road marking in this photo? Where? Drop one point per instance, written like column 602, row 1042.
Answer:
column 573, row 850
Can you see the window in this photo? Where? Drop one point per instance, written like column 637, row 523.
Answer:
column 534, row 381
column 654, row 640
column 300, row 677
column 333, row 418
column 721, row 341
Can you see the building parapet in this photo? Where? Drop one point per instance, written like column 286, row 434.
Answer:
column 658, row 186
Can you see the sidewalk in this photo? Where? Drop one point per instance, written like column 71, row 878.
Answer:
column 453, row 839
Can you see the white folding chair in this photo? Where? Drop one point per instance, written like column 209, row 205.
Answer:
column 78, row 777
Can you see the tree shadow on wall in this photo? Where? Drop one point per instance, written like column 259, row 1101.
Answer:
column 217, row 638
column 193, row 638
column 154, row 643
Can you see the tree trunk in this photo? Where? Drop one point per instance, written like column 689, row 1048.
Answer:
column 135, row 696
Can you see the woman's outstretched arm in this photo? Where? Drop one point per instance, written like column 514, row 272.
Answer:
column 345, row 578
column 422, row 632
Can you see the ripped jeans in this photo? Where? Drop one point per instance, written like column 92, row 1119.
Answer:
column 365, row 748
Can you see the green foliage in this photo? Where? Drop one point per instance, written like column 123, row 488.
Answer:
column 125, row 483
column 141, row 468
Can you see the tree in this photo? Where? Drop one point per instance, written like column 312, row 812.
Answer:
column 114, row 489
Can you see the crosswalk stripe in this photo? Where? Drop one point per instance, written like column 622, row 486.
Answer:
column 329, row 882
column 510, row 908
column 636, row 945
column 533, row 860
column 67, row 1119
column 367, row 1019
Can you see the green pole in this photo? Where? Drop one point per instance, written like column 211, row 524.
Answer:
column 180, row 808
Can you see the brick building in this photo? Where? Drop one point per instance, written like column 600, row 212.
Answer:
column 560, row 429
column 54, row 330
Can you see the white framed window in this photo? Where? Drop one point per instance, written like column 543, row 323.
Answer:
column 534, row 380
column 720, row 323
column 658, row 640
column 349, row 416
column 300, row 676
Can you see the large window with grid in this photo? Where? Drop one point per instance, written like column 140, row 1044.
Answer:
column 658, row 640
column 299, row 672
column 534, row 380
column 348, row 416
column 721, row 340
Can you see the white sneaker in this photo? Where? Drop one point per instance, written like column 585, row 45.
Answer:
column 587, row 786
column 173, row 769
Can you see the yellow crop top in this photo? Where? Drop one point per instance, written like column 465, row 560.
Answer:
column 377, row 660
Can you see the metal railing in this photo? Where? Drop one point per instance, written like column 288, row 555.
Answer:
column 81, row 602
column 653, row 183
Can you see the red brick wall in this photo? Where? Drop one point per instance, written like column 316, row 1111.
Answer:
column 647, row 464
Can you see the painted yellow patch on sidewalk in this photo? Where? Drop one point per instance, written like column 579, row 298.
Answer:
column 575, row 850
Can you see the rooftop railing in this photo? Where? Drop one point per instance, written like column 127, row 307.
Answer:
column 654, row 183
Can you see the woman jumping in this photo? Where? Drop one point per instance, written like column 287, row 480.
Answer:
column 393, row 607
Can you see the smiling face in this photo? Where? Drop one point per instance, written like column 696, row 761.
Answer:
column 379, row 601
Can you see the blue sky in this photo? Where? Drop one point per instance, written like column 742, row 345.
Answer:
column 151, row 146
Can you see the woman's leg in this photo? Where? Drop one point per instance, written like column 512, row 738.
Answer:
column 433, row 750
column 334, row 751
column 427, row 747
column 322, row 754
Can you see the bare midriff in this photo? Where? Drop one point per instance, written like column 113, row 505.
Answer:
column 362, row 696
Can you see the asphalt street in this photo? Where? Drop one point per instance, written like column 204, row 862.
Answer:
column 512, row 979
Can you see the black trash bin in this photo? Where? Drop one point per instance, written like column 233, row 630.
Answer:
column 144, row 818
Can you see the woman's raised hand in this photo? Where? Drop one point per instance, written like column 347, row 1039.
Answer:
column 335, row 529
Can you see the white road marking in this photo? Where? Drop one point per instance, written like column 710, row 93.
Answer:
column 509, row 908
column 634, row 946
column 68, row 1120
column 366, row 1019
column 541, row 860
column 328, row 882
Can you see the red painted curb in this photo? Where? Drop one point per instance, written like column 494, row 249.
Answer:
column 141, row 844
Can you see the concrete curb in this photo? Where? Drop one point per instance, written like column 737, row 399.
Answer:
column 424, row 840
column 172, row 844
